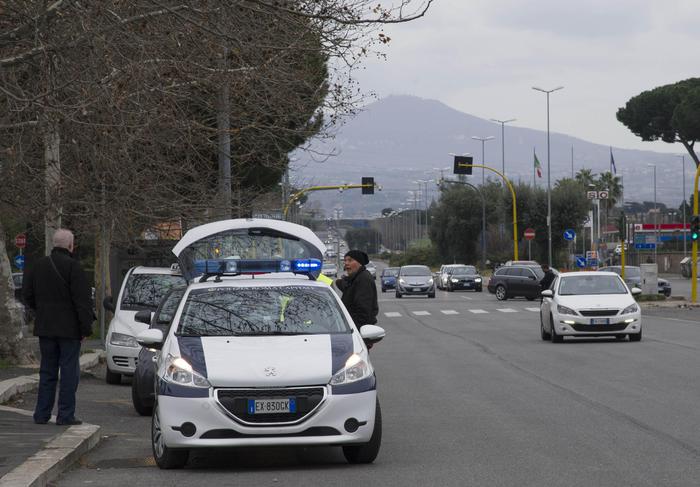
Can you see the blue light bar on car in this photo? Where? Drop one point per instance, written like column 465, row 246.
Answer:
column 256, row 266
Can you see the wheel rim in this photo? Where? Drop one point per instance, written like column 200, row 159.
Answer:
column 500, row 292
column 158, row 444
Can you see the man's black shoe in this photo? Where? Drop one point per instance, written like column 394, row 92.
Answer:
column 42, row 421
column 70, row 422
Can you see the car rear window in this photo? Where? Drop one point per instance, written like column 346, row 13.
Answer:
column 229, row 311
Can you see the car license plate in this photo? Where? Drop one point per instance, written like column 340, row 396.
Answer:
column 416, row 289
column 272, row 406
column 600, row 321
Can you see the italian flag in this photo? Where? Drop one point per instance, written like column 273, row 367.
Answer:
column 538, row 166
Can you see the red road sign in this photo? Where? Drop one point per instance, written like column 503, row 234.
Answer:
column 21, row 240
column 529, row 233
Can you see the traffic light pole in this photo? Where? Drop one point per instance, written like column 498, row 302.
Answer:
column 296, row 196
column 694, row 252
column 515, row 211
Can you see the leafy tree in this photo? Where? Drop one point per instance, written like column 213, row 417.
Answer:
column 585, row 177
column 670, row 113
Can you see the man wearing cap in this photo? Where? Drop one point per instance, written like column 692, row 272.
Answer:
column 359, row 291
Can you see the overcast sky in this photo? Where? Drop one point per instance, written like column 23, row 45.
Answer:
column 483, row 56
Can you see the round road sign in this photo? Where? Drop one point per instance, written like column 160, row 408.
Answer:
column 21, row 240
column 529, row 233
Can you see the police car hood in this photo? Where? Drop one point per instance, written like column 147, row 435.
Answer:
column 275, row 361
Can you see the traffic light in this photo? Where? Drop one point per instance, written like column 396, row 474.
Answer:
column 695, row 228
column 460, row 168
column 367, row 185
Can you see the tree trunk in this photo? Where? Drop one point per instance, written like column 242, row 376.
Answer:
column 11, row 312
column 52, row 219
column 103, row 288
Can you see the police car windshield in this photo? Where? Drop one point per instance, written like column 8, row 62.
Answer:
column 145, row 291
column 227, row 311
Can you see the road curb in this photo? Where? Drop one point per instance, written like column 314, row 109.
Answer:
column 18, row 385
column 60, row 453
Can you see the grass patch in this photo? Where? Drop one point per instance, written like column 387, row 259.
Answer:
column 650, row 297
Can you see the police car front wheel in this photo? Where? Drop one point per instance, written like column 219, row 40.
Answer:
column 367, row 452
column 166, row 458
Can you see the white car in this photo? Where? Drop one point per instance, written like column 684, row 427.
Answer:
column 142, row 289
column 260, row 353
column 590, row 304
column 330, row 270
column 372, row 269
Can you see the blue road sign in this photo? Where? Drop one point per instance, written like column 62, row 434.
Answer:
column 569, row 234
column 19, row 262
column 645, row 246
column 580, row 261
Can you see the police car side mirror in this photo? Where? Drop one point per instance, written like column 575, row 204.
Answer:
column 547, row 293
column 636, row 291
column 108, row 304
column 151, row 338
column 372, row 333
column 143, row 316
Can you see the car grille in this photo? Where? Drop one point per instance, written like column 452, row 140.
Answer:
column 599, row 312
column 235, row 401
column 124, row 361
column 600, row 328
column 226, row 433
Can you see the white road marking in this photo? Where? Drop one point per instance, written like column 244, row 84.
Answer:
column 534, row 310
column 467, row 297
column 506, row 310
column 421, row 313
column 392, row 314
column 478, row 311
column 449, row 312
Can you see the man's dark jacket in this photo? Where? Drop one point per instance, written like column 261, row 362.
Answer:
column 547, row 280
column 360, row 297
column 63, row 305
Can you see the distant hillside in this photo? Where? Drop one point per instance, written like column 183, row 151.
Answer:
column 402, row 139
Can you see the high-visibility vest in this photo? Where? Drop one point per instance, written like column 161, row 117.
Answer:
column 325, row 279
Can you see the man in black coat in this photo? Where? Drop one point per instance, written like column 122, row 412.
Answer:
column 548, row 278
column 57, row 290
column 358, row 288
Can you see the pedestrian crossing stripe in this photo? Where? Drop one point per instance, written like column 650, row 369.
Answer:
column 478, row 311
column 534, row 310
column 449, row 312
column 507, row 310
column 392, row 314
column 421, row 313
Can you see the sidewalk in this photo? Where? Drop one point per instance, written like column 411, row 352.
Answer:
column 33, row 454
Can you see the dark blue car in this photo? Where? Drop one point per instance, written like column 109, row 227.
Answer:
column 389, row 278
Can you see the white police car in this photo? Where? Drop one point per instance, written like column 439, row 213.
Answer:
column 259, row 353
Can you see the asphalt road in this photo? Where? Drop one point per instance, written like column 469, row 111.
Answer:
column 470, row 396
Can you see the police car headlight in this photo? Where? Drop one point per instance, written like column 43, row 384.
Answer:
column 355, row 369
column 632, row 308
column 179, row 371
column 123, row 340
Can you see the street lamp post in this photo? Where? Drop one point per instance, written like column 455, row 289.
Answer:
column 503, row 143
column 483, row 160
column 549, row 178
column 656, row 215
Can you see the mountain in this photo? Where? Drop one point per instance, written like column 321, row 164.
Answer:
column 402, row 139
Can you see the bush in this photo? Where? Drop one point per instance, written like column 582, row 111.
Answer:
column 421, row 253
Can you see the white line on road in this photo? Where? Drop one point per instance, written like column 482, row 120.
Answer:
column 392, row 314
column 478, row 311
column 449, row 312
column 507, row 310
column 467, row 297
column 421, row 313
column 534, row 310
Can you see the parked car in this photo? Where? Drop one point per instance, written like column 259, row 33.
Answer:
column 463, row 277
column 330, row 269
column 143, row 288
column 590, row 304
column 388, row 278
column 511, row 281
column 259, row 353
column 415, row 280
column 372, row 269
column 442, row 275
column 633, row 278
column 142, row 384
